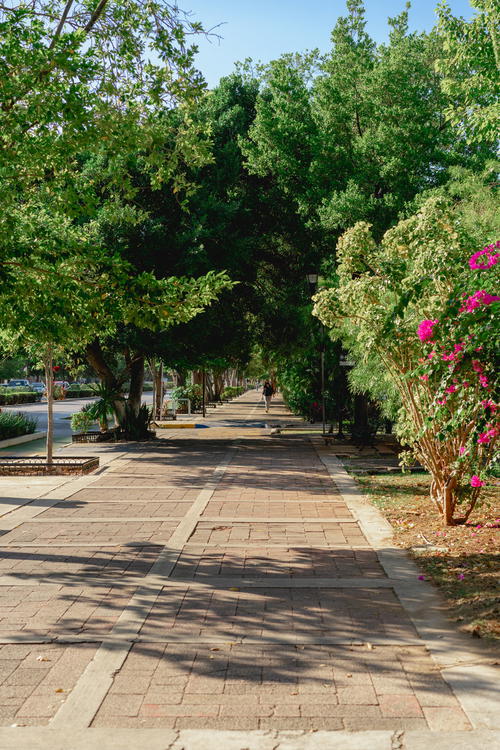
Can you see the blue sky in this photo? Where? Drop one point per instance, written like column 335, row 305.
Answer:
column 264, row 29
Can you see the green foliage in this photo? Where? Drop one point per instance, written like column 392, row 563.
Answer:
column 82, row 421
column 470, row 68
column 19, row 395
column 14, row 425
column 231, row 391
column 192, row 392
column 10, row 367
column 381, row 295
column 135, row 426
column 108, row 402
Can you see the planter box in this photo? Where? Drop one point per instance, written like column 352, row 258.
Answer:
column 36, row 467
column 93, row 436
column 22, row 439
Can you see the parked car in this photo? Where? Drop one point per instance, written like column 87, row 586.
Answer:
column 38, row 387
column 62, row 384
column 18, row 383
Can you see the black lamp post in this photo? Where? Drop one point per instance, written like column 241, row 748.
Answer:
column 312, row 279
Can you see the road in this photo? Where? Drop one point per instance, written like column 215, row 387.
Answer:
column 62, row 425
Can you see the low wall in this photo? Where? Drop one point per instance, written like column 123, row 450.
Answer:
column 22, row 439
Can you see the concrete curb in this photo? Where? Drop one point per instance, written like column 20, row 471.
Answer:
column 22, row 439
column 44, row 738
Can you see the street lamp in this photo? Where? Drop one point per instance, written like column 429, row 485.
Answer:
column 312, row 280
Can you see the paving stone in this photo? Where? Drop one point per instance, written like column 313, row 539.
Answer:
column 406, row 706
column 446, row 718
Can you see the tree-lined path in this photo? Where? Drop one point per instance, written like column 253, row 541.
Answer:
column 224, row 579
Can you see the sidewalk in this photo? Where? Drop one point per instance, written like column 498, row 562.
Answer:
column 223, row 580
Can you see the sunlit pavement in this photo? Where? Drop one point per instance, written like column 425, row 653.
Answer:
column 223, row 588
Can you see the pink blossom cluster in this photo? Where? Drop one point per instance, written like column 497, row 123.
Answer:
column 451, row 356
column 489, row 404
column 492, row 257
column 475, row 481
column 477, row 299
column 424, row 330
column 491, row 432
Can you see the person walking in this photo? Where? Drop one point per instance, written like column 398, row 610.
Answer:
column 267, row 394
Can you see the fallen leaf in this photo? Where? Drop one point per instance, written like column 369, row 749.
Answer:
column 59, row 690
column 215, row 649
column 234, row 588
column 42, row 658
column 369, row 646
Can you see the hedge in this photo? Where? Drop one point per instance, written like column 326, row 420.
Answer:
column 15, row 425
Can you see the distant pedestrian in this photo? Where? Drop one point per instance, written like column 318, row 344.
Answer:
column 267, row 394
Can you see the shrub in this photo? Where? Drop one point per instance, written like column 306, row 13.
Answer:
column 21, row 395
column 15, row 425
column 81, row 421
column 231, row 391
column 192, row 392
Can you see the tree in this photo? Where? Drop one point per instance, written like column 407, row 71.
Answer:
column 75, row 74
column 470, row 68
column 383, row 295
column 73, row 290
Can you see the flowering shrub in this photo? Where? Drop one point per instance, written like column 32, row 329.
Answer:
column 460, row 371
column 425, row 304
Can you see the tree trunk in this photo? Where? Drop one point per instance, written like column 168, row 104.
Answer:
column 179, row 378
column 158, row 391
column 218, row 385
column 197, row 376
column 95, row 358
column 444, row 496
column 361, row 429
column 136, row 384
column 49, row 379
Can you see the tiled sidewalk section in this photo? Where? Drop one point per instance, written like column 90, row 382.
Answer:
column 225, row 626
column 278, row 614
column 50, row 611
column 36, row 680
column 200, row 562
column 290, row 687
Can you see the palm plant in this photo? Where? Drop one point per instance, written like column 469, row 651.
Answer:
column 105, row 407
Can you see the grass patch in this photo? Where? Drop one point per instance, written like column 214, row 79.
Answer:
column 462, row 561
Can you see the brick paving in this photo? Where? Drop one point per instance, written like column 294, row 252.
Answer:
column 262, row 687
column 238, row 589
column 35, row 680
column 199, row 562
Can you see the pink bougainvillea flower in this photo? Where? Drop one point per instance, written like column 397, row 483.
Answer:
column 421, row 578
column 486, row 437
column 477, row 366
column 441, row 401
column 483, row 380
column 424, row 377
column 477, row 299
column 460, row 576
column 490, row 257
column 431, row 355
column 424, row 330
column 475, row 481
column 489, row 404
column 451, row 389
column 461, row 450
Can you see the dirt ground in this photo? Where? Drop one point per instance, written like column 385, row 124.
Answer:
column 463, row 561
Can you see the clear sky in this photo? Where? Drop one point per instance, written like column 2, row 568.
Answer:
column 264, row 29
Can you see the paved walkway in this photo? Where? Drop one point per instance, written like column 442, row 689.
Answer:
column 223, row 580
